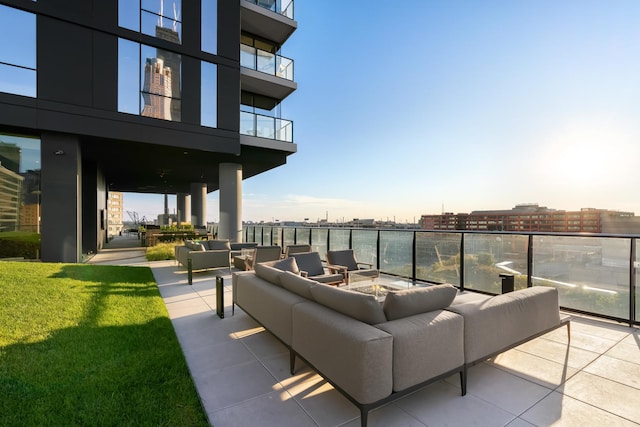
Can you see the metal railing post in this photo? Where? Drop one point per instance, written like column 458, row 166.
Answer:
column 632, row 282
column 530, row 261
column 462, row 262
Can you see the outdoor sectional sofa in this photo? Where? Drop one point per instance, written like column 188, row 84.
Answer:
column 205, row 254
column 374, row 353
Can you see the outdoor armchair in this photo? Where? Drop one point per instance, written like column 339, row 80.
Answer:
column 310, row 266
column 346, row 260
column 294, row 249
column 263, row 254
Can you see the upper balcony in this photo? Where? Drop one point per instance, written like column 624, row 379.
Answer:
column 266, row 73
column 271, row 19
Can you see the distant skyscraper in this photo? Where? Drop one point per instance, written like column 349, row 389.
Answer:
column 156, row 91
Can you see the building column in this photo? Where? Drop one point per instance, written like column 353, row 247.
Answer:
column 198, row 204
column 230, row 202
column 61, row 198
column 183, row 200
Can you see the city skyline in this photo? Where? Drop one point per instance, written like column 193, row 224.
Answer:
column 453, row 107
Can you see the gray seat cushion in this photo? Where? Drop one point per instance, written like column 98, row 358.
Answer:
column 309, row 262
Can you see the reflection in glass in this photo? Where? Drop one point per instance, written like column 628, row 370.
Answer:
column 157, row 18
column 209, row 26
column 19, row 186
column 438, row 257
column 208, row 95
column 590, row 273
column 128, row 81
column 247, row 123
column 265, row 127
column 18, row 52
column 156, row 92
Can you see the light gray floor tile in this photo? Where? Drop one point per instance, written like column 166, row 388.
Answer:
column 325, row 404
column 271, row 410
column 533, row 368
column 519, row 422
column 628, row 350
column 264, row 345
column 585, row 341
column 205, row 358
column 613, row 397
column 233, row 384
column 440, row 404
column 386, row 416
column 504, row 390
column 621, row 371
column 559, row 352
column 564, row 411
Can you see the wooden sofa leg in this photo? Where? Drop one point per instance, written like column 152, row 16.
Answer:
column 463, row 380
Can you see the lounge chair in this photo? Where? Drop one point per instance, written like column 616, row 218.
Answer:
column 294, row 249
column 310, row 266
column 263, row 254
column 346, row 259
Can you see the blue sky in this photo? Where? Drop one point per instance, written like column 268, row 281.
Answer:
column 409, row 108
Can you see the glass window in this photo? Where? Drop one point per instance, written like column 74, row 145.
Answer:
column 209, row 26
column 208, row 95
column 157, row 18
column 18, row 52
column 19, row 186
column 149, row 81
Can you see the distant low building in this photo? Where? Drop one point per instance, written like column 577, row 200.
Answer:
column 532, row 217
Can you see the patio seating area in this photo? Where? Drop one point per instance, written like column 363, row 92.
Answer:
column 242, row 373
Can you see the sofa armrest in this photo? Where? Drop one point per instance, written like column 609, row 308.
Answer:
column 209, row 259
column 353, row 355
column 501, row 322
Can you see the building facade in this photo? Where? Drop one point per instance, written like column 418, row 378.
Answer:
column 163, row 97
column 532, row 217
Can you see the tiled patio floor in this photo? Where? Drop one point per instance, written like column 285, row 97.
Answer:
column 241, row 373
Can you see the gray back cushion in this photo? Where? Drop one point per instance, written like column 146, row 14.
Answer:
column 271, row 271
column 214, row 245
column 298, row 284
column 345, row 258
column 309, row 262
column 399, row 304
column 360, row 306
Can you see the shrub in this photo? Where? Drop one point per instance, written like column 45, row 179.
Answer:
column 161, row 252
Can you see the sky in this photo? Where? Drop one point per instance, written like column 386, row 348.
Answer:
column 424, row 106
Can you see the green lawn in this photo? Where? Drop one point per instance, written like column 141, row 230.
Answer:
column 89, row 345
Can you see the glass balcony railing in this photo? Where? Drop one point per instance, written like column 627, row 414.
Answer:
column 266, row 62
column 282, row 7
column 266, row 127
column 594, row 274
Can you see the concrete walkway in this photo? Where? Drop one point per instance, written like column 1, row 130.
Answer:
column 241, row 371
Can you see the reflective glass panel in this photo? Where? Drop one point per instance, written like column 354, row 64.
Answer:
column 319, row 241
column 289, row 236
column 18, row 52
column 365, row 245
column 247, row 123
column 438, row 257
column 590, row 273
column 128, row 81
column 210, row 26
column 338, row 239
column 396, row 252
column 129, row 14
column 265, row 127
column 208, row 95
column 20, row 195
column 489, row 255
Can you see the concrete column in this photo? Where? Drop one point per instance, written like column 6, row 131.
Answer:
column 183, row 200
column 61, row 198
column 198, row 204
column 230, row 202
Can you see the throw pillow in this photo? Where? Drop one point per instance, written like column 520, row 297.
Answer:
column 271, row 271
column 359, row 306
column 214, row 245
column 298, row 284
column 399, row 304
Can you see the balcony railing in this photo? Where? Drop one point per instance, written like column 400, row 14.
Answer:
column 266, row 127
column 594, row 274
column 266, row 62
column 282, row 7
